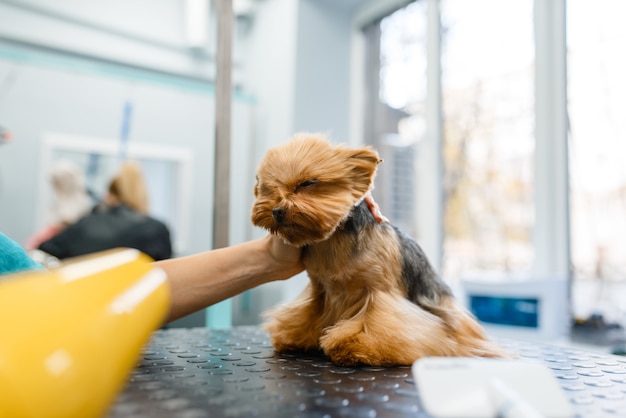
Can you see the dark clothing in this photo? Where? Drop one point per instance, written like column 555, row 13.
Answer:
column 111, row 228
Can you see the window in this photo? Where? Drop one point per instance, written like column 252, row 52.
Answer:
column 597, row 105
column 505, row 163
column 488, row 141
column 402, row 97
column 397, row 93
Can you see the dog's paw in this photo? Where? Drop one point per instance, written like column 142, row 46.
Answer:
column 281, row 346
column 344, row 359
column 361, row 349
column 349, row 352
column 292, row 340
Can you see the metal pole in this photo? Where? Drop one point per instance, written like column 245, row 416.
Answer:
column 220, row 315
column 223, row 100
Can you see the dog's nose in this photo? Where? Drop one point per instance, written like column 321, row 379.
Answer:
column 278, row 214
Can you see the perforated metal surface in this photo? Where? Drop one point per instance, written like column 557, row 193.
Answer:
column 197, row 373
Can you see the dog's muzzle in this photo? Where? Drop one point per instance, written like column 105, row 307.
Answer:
column 279, row 214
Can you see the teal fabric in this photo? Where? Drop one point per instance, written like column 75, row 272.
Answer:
column 13, row 258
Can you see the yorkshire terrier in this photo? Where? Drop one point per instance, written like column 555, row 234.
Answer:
column 373, row 297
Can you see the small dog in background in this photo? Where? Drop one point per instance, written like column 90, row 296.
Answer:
column 373, row 297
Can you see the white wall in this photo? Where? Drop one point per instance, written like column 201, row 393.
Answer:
column 40, row 99
column 322, row 97
column 144, row 33
column 270, row 69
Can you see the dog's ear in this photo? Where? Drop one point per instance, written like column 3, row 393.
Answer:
column 362, row 164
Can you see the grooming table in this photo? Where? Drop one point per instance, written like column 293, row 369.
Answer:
column 200, row 372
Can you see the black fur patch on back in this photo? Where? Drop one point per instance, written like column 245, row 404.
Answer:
column 418, row 275
column 360, row 217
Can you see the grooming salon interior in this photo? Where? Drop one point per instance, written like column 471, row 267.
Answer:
column 502, row 133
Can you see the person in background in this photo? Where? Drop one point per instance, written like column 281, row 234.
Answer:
column 129, row 188
column 71, row 202
column 122, row 220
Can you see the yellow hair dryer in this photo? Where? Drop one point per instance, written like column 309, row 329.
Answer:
column 70, row 336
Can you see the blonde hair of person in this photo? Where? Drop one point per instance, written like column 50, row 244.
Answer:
column 129, row 187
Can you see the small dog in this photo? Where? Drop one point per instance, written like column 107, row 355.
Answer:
column 373, row 297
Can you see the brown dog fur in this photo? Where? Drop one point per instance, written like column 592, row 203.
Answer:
column 373, row 298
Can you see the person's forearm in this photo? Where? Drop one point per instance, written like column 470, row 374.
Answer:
column 200, row 280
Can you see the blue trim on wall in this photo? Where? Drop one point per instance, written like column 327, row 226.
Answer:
column 112, row 70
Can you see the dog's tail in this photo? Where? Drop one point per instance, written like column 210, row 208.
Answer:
column 470, row 336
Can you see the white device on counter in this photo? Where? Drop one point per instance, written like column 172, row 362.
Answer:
column 458, row 387
column 521, row 308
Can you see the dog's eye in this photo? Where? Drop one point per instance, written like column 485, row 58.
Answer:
column 307, row 183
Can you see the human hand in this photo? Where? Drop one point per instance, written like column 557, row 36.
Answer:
column 286, row 257
column 374, row 209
